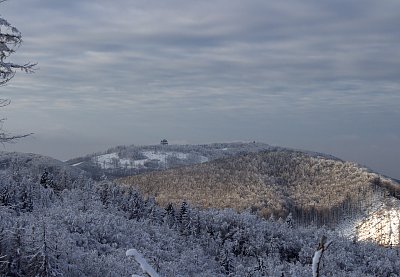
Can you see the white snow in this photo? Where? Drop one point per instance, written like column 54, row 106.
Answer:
column 162, row 156
column 315, row 261
column 151, row 155
column 382, row 226
column 317, row 257
column 138, row 163
column 203, row 159
column 107, row 161
column 142, row 262
column 77, row 164
column 112, row 160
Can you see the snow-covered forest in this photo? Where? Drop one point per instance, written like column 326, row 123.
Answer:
column 55, row 222
column 224, row 209
column 315, row 189
column 130, row 160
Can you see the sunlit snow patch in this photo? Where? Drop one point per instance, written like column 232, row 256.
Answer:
column 382, row 226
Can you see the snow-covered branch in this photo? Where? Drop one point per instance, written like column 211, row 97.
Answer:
column 146, row 268
column 322, row 246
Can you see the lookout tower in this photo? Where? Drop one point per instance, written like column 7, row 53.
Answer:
column 164, row 142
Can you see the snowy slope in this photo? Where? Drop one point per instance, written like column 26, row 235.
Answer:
column 381, row 225
column 112, row 160
column 33, row 164
column 316, row 190
column 130, row 160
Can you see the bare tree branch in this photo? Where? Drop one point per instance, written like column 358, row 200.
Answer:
column 10, row 40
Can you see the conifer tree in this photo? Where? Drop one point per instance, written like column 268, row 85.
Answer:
column 42, row 258
column 46, row 180
column 184, row 218
column 170, row 215
column 13, row 263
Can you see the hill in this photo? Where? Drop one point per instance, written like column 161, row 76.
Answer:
column 34, row 165
column 277, row 182
column 123, row 161
column 84, row 228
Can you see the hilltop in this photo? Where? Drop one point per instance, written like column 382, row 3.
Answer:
column 131, row 160
column 29, row 164
column 122, row 161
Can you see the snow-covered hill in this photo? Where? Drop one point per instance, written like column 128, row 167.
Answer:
column 375, row 218
column 131, row 160
column 123, row 161
column 315, row 189
column 113, row 160
column 34, row 165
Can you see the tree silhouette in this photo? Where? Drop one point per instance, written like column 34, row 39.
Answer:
column 10, row 40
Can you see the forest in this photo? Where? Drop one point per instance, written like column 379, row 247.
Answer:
column 55, row 222
column 276, row 182
column 238, row 209
column 122, row 159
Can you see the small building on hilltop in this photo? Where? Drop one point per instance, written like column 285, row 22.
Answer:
column 164, row 142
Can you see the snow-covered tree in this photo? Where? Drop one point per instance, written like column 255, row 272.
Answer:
column 184, row 218
column 46, row 180
column 13, row 260
column 43, row 255
column 170, row 215
column 10, row 40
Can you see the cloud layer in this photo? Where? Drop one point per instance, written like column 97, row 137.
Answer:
column 286, row 72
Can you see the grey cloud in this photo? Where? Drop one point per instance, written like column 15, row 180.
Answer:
column 271, row 64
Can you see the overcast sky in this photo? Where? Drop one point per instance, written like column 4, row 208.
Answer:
column 322, row 75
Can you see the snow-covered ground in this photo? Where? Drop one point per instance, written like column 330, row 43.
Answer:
column 350, row 223
column 382, row 225
column 203, row 159
column 380, row 222
column 112, row 160
column 161, row 156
